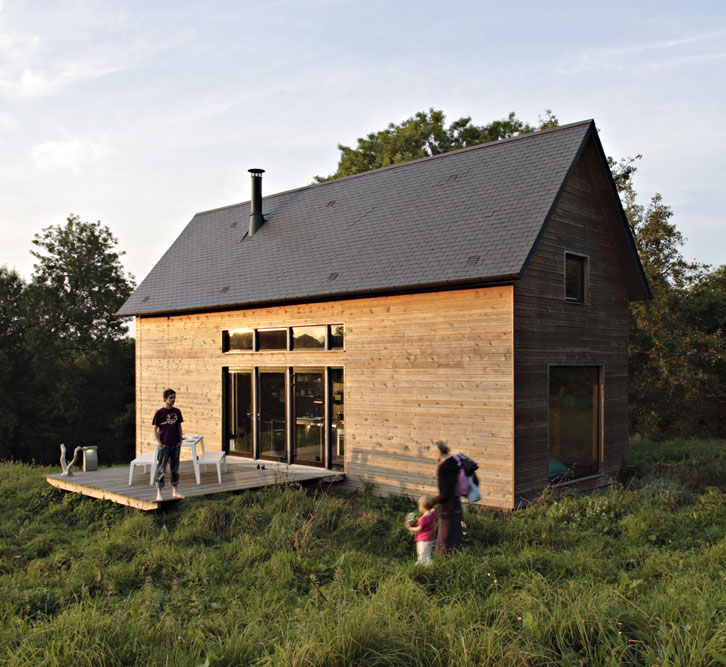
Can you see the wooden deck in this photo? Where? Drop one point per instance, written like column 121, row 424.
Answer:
column 113, row 483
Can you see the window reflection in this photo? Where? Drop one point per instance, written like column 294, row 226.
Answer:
column 306, row 338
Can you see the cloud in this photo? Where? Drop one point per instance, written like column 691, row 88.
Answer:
column 70, row 154
column 35, row 82
column 7, row 121
column 667, row 52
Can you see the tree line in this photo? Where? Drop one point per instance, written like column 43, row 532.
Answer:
column 67, row 366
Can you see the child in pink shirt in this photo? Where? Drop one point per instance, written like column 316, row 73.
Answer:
column 425, row 530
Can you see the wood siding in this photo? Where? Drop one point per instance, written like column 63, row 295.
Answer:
column 418, row 368
column 552, row 332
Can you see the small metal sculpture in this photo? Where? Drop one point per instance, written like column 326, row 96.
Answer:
column 67, row 466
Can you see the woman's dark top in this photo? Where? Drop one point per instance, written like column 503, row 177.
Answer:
column 448, row 475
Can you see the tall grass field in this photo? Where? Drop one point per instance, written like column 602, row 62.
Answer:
column 635, row 575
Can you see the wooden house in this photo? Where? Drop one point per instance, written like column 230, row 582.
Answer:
column 478, row 297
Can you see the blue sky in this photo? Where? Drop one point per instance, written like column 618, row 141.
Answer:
column 142, row 113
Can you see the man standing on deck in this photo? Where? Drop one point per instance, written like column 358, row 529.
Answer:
column 167, row 424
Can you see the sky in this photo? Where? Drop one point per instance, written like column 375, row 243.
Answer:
column 141, row 113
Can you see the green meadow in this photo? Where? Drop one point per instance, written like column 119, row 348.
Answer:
column 635, row 575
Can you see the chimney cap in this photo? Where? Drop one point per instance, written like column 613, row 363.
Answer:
column 256, row 171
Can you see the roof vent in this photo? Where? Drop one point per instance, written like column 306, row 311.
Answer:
column 472, row 261
column 146, row 298
column 224, row 290
column 332, row 277
column 452, row 178
column 331, row 203
column 256, row 218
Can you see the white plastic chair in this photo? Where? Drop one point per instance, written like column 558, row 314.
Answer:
column 146, row 459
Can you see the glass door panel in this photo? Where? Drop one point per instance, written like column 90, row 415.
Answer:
column 574, row 421
column 272, row 415
column 309, row 414
column 337, row 414
column 239, row 420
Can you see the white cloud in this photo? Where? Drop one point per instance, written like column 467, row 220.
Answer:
column 70, row 154
column 7, row 121
column 621, row 57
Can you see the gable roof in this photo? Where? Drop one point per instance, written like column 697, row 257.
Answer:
column 472, row 216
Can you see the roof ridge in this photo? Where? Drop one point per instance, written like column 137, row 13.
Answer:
column 496, row 142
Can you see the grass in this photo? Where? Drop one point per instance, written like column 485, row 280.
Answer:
column 294, row 576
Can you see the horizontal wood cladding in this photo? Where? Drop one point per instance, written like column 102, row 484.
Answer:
column 550, row 331
column 418, row 368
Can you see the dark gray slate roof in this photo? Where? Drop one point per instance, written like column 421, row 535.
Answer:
column 411, row 226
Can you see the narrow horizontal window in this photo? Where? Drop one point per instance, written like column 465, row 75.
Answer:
column 238, row 339
column 336, row 337
column 308, row 338
column 575, row 278
column 272, row 339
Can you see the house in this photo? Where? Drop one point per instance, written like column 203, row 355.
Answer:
column 478, row 297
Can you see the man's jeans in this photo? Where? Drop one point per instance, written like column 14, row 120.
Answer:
column 170, row 454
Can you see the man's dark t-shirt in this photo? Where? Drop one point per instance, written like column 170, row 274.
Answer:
column 169, row 422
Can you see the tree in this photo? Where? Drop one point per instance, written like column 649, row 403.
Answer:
column 677, row 346
column 12, row 355
column 66, row 368
column 423, row 135
column 79, row 282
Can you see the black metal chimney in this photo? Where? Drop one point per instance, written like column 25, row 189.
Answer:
column 256, row 218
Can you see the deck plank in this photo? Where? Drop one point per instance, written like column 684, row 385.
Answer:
column 112, row 483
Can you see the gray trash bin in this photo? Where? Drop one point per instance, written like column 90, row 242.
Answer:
column 90, row 459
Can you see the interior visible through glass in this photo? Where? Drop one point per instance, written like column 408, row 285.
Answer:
column 272, row 414
column 574, row 425
column 337, row 415
column 309, row 417
column 239, row 423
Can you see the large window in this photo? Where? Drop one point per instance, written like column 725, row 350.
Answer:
column 286, row 414
column 575, row 278
column 574, row 421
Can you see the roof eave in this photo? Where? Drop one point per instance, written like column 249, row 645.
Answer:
column 489, row 281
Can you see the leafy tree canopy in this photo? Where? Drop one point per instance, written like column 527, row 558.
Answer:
column 79, row 281
column 423, row 135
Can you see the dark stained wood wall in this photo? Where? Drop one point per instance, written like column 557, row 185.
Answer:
column 549, row 331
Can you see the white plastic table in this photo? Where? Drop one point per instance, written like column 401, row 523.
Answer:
column 192, row 441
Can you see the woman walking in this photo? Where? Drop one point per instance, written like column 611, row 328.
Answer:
column 450, row 531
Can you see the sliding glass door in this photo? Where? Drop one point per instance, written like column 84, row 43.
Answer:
column 309, row 409
column 239, row 413
column 293, row 415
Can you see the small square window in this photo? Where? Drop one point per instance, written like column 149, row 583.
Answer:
column 575, row 278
